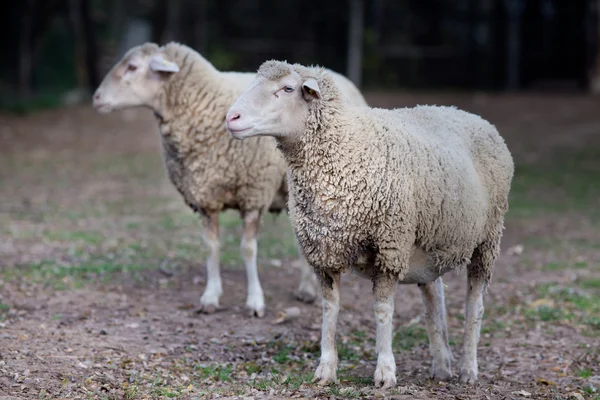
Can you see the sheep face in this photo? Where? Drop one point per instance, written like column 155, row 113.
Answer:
column 273, row 107
column 135, row 80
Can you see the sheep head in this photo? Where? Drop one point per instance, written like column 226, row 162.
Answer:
column 135, row 80
column 275, row 104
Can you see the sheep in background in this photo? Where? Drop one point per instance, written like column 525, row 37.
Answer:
column 398, row 196
column 212, row 172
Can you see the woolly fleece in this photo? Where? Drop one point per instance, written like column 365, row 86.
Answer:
column 382, row 184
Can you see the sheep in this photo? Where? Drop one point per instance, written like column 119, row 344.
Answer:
column 396, row 196
column 211, row 171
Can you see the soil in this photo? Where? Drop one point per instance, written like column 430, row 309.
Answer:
column 135, row 333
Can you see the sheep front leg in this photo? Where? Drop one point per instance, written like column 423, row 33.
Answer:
column 255, row 302
column 437, row 329
column 384, row 289
column 209, row 302
column 307, row 290
column 327, row 371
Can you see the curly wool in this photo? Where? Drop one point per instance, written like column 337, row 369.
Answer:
column 212, row 171
column 381, row 184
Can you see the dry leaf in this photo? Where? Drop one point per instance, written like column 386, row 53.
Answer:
column 541, row 302
column 575, row 395
column 521, row 393
column 286, row 315
column 545, row 381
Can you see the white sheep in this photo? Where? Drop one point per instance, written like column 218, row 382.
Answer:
column 213, row 172
column 398, row 196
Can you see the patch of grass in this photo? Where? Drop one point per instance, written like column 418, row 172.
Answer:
column 494, row 327
column 282, row 356
column 251, row 367
column 576, row 306
column 546, row 314
column 547, row 187
column 408, row 337
column 62, row 275
column 555, row 266
column 344, row 392
column 4, row 308
column 591, row 283
column 221, row 373
column 584, row 373
column 87, row 237
column 346, row 351
column 357, row 380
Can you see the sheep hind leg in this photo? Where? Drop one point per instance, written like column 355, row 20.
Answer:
column 307, row 291
column 384, row 289
column 255, row 301
column 437, row 329
column 478, row 275
column 209, row 302
column 327, row 370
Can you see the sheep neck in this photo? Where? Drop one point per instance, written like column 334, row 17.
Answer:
column 186, row 107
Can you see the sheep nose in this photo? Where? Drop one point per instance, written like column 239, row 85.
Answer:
column 233, row 116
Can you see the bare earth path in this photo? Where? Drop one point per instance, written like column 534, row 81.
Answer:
column 87, row 216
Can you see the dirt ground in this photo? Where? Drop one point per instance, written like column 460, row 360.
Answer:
column 88, row 221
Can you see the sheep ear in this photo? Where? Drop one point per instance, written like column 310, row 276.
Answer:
column 160, row 64
column 310, row 89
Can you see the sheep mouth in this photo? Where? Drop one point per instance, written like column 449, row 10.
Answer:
column 102, row 108
column 238, row 132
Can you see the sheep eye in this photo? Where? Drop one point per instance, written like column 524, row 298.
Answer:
column 131, row 67
column 288, row 89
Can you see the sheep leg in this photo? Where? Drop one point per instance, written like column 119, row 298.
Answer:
column 209, row 302
column 307, row 290
column 435, row 315
column 384, row 289
column 327, row 371
column 478, row 274
column 255, row 301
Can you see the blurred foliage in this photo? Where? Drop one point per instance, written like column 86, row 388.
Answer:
column 54, row 46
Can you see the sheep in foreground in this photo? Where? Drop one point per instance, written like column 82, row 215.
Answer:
column 398, row 196
column 210, row 170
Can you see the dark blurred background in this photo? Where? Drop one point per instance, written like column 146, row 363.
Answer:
column 59, row 50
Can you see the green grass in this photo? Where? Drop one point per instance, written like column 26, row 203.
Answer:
column 215, row 372
column 494, row 327
column 550, row 187
column 4, row 308
column 407, row 337
column 577, row 305
column 77, row 274
column 584, row 373
column 88, row 237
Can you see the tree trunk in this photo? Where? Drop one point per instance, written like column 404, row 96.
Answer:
column 173, row 30
column 90, row 45
column 594, row 81
column 200, row 33
column 77, row 32
column 25, row 49
column 355, row 41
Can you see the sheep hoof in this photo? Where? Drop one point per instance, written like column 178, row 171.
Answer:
column 256, row 312
column 325, row 374
column 255, row 304
column 441, row 374
column 305, row 296
column 385, row 377
column 468, row 376
column 207, row 309
column 441, row 370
